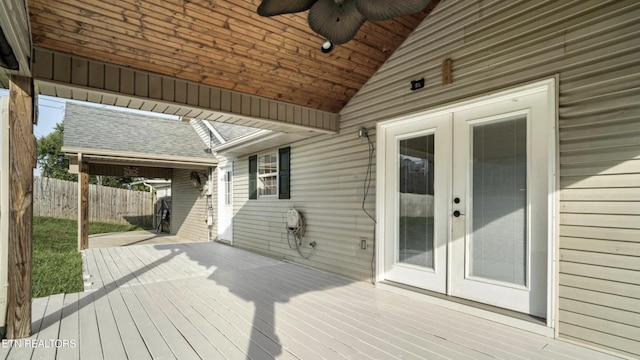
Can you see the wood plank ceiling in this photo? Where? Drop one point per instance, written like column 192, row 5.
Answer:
column 221, row 43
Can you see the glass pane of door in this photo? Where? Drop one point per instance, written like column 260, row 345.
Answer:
column 416, row 205
column 498, row 242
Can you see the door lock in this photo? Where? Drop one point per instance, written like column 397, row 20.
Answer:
column 456, row 200
column 457, row 213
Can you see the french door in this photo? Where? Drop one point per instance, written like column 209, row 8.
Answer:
column 467, row 201
column 418, row 155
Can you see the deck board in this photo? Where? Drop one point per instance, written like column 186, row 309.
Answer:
column 49, row 329
column 134, row 345
column 240, row 332
column 263, row 318
column 389, row 328
column 88, row 334
column 179, row 346
column 212, row 301
column 112, row 343
column 210, row 326
column 442, row 322
column 193, row 337
column 69, row 328
column 271, row 296
column 125, row 267
column 151, row 336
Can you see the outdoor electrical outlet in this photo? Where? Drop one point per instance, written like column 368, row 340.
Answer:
column 362, row 132
column 363, row 244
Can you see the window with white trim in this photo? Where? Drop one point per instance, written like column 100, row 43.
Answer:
column 268, row 175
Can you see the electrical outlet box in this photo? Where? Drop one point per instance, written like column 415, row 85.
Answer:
column 363, row 244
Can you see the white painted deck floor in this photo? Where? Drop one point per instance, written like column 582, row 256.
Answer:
column 212, row 301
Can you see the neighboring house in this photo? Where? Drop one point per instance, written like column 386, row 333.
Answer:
column 516, row 187
column 162, row 187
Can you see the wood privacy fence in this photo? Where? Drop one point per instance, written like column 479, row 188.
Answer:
column 59, row 199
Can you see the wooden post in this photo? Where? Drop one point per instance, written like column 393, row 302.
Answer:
column 83, row 204
column 22, row 161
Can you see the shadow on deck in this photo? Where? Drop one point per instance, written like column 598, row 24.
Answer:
column 212, row 301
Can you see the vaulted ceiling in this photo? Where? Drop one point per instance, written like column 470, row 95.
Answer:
column 221, row 43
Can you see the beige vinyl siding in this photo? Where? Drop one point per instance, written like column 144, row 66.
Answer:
column 592, row 47
column 329, row 195
column 188, row 207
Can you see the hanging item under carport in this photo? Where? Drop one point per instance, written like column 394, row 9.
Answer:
column 296, row 227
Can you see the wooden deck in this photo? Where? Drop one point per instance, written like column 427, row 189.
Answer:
column 211, row 301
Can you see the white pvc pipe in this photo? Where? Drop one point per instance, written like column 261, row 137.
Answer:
column 4, row 210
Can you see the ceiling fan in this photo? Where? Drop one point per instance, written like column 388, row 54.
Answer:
column 339, row 20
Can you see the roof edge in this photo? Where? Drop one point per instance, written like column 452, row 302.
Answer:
column 244, row 140
column 139, row 156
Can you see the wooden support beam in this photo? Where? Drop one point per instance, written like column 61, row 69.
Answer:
column 83, row 204
column 22, row 161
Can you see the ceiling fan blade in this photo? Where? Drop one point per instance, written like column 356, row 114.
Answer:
column 337, row 21
column 378, row 10
column 279, row 7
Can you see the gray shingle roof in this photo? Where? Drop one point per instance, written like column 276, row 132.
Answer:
column 230, row 132
column 99, row 128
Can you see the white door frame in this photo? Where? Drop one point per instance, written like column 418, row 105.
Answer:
column 222, row 206
column 436, row 278
column 548, row 86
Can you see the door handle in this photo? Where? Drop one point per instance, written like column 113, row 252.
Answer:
column 457, row 213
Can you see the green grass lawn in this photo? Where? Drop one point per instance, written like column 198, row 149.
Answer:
column 57, row 264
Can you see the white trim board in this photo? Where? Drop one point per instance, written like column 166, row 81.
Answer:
column 4, row 210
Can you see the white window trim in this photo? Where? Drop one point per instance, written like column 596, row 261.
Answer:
column 277, row 174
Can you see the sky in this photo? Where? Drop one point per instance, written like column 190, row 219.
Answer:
column 51, row 112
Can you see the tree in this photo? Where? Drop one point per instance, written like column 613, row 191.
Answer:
column 51, row 161
column 53, row 164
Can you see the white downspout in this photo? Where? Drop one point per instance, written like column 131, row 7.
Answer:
column 209, row 203
column 4, row 212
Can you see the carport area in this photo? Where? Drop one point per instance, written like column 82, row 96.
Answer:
column 120, row 143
